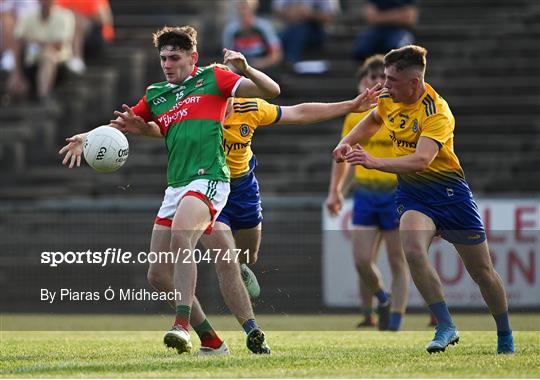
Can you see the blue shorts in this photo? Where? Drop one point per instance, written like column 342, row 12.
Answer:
column 373, row 208
column 243, row 209
column 457, row 222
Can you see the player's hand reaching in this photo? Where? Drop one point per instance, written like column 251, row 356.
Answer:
column 73, row 150
column 367, row 99
column 129, row 122
column 334, row 203
column 358, row 156
column 236, row 60
column 340, row 152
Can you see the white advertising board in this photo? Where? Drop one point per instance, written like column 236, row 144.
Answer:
column 513, row 234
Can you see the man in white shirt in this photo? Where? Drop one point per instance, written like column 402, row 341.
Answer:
column 46, row 34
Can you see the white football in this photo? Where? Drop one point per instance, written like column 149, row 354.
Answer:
column 106, row 149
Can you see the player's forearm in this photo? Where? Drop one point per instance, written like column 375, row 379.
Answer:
column 363, row 131
column 339, row 171
column 307, row 113
column 411, row 163
column 153, row 131
column 266, row 87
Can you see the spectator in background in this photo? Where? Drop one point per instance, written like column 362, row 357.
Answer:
column 253, row 36
column 93, row 28
column 305, row 22
column 45, row 35
column 9, row 12
column 391, row 25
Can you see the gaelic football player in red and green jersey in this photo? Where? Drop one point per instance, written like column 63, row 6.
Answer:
column 189, row 109
column 239, row 224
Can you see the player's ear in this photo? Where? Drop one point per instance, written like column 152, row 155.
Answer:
column 194, row 57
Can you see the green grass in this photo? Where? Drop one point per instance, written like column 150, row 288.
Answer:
column 295, row 353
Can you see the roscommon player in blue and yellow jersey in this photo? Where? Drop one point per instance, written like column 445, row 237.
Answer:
column 374, row 217
column 433, row 196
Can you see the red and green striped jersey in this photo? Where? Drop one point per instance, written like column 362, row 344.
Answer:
column 190, row 116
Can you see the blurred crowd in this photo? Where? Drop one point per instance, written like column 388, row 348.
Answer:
column 299, row 28
column 44, row 40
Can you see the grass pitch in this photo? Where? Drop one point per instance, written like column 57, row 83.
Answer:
column 294, row 353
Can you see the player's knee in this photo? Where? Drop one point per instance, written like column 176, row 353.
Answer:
column 362, row 263
column 483, row 276
column 415, row 255
column 227, row 268
column 396, row 253
column 180, row 239
column 253, row 256
column 397, row 265
column 159, row 281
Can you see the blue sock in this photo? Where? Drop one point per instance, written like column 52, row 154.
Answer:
column 382, row 296
column 249, row 325
column 440, row 311
column 503, row 325
column 395, row 321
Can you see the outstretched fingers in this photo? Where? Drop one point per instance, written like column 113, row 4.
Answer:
column 129, row 110
column 67, row 157
column 72, row 161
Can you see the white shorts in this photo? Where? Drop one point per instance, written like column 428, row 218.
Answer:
column 212, row 192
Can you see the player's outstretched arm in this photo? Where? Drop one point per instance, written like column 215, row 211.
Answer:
column 258, row 84
column 306, row 113
column 126, row 121
column 129, row 122
column 425, row 152
column 361, row 132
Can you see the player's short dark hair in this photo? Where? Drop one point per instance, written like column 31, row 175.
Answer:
column 406, row 57
column 373, row 63
column 180, row 37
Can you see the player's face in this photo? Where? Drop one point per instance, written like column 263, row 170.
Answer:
column 375, row 76
column 400, row 86
column 371, row 79
column 177, row 65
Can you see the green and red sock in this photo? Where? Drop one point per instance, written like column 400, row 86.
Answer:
column 208, row 335
column 183, row 313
